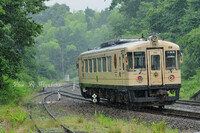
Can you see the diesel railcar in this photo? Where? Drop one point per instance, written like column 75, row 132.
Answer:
column 132, row 71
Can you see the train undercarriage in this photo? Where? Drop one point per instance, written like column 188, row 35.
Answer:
column 138, row 96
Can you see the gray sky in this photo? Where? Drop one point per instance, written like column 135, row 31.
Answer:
column 76, row 5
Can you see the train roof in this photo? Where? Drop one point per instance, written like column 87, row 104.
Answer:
column 126, row 43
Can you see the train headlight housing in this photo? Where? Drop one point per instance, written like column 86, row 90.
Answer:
column 139, row 79
column 171, row 77
column 154, row 38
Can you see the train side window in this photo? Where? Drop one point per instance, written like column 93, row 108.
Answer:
column 139, row 60
column 104, row 64
column 99, row 64
column 178, row 58
column 86, row 65
column 109, row 64
column 170, row 57
column 95, row 65
column 90, row 65
column 130, row 61
column 123, row 61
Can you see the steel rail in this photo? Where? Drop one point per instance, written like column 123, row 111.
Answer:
column 153, row 110
column 42, row 93
column 67, row 130
column 186, row 102
column 180, row 113
column 30, row 111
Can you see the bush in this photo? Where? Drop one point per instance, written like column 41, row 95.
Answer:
column 13, row 91
column 13, row 115
column 190, row 86
column 159, row 127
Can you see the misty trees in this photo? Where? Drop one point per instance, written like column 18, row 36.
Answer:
column 59, row 45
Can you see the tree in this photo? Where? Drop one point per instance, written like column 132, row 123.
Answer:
column 191, row 49
column 166, row 18
column 89, row 13
column 56, row 14
column 191, row 19
column 18, row 31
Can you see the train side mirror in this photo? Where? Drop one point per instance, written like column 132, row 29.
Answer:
column 77, row 65
column 181, row 57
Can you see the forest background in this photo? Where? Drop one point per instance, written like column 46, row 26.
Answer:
column 25, row 60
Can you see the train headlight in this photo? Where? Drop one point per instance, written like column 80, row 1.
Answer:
column 154, row 38
column 171, row 77
column 139, row 78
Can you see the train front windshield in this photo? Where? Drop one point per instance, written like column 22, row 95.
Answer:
column 170, row 57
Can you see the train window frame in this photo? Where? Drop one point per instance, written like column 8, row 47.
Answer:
column 104, row 64
column 99, row 64
column 86, row 65
column 130, row 61
column 90, row 65
column 143, row 66
column 109, row 59
column 94, row 64
column 174, row 62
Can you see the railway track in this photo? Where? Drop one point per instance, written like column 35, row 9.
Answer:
column 167, row 112
column 186, row 102
column 48, row 94
column 29, row 106
column 180, row 113
column 154, row 110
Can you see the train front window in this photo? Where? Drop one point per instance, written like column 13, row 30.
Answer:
column 130, row 61
column 139, row 60
column 170, row 57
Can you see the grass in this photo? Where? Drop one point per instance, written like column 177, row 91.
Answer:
column 190, row 87
column 13, row 117
column 103, row 124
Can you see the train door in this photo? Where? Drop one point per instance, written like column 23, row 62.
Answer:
column 155, row 65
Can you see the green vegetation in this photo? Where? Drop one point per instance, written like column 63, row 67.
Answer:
column 13, row 118
column 101, row 123
column 190, row 86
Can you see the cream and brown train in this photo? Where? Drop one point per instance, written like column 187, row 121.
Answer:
column 132, row 71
